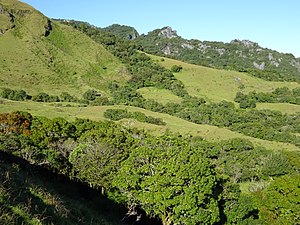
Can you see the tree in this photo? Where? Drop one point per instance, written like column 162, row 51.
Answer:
column 169, row 179
column 90, row 95
column 281, row 199
column 176, row 68
column 66, row 97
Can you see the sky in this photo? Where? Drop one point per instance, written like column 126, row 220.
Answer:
column 272, row 24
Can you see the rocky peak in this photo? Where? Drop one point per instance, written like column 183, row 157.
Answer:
column 168, row 32
column 246, row 43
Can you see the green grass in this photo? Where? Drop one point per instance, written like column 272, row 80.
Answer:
column 282, row 107
column 66, row 60
column 162, row 96
column 217, row 85
column 173, row 124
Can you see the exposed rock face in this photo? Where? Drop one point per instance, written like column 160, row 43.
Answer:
column 259, row 66
column 133, row 35
column 295, row 64
column 221, row 51
column 273, row 60
column 203, row 47
column 48, row 28
column 168, row 32
column 187, row 45
column 246, row 43
column 167, row 50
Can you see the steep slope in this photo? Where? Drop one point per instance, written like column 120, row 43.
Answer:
column 239, row 55
column 29, row 195
column 38, row 54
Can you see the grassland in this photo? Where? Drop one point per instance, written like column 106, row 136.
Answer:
column 162, row 96
column 217, row 85
column 282, row 107
column 173, row 124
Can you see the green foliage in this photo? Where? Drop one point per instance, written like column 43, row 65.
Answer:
column 176, row 68
column 171, row 180
column 279, row 95
column 276, row 164
column 279, row 203
column 90, row 95
column 180, row 180
column 144, row 72
column 247, row 104
column 66, row 97
column 17, row 95
column 121, row 31
column 238, row 55
column 44, row 97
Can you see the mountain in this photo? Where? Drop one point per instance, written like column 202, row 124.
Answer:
column 39, row 54
column 239, row 55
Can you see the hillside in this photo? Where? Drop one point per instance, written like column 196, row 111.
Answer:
column 216, row 85
column 239, row 55
column 94, row 130
column 173, row 123
column 56, row 57
column 31, row 195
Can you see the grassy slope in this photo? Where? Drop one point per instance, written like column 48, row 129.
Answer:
column 160, row 95
column 33, row 198
column 282, row 107
column 217, row 85
column 66, row 60
column 174, row 124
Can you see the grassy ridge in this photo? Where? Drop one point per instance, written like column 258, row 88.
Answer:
column 173, row 123
column 64, row 60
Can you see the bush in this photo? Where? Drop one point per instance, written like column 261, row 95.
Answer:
column 66, row 97
column 16, row 95
column 44, row 97
column 90, row 95
column 176, row 68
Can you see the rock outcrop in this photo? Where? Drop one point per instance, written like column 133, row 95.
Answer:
column 168, row 32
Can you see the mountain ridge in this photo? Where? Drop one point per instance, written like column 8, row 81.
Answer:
column 240, row 55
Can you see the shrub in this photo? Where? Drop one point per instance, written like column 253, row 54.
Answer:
column 176, row 68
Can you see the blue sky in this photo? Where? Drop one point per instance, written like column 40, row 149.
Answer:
column 272, row 23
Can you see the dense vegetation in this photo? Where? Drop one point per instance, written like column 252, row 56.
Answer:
column 279, row 95
column 244, row 56
column 224, row 114
column 170, row 178
column 153, row 173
